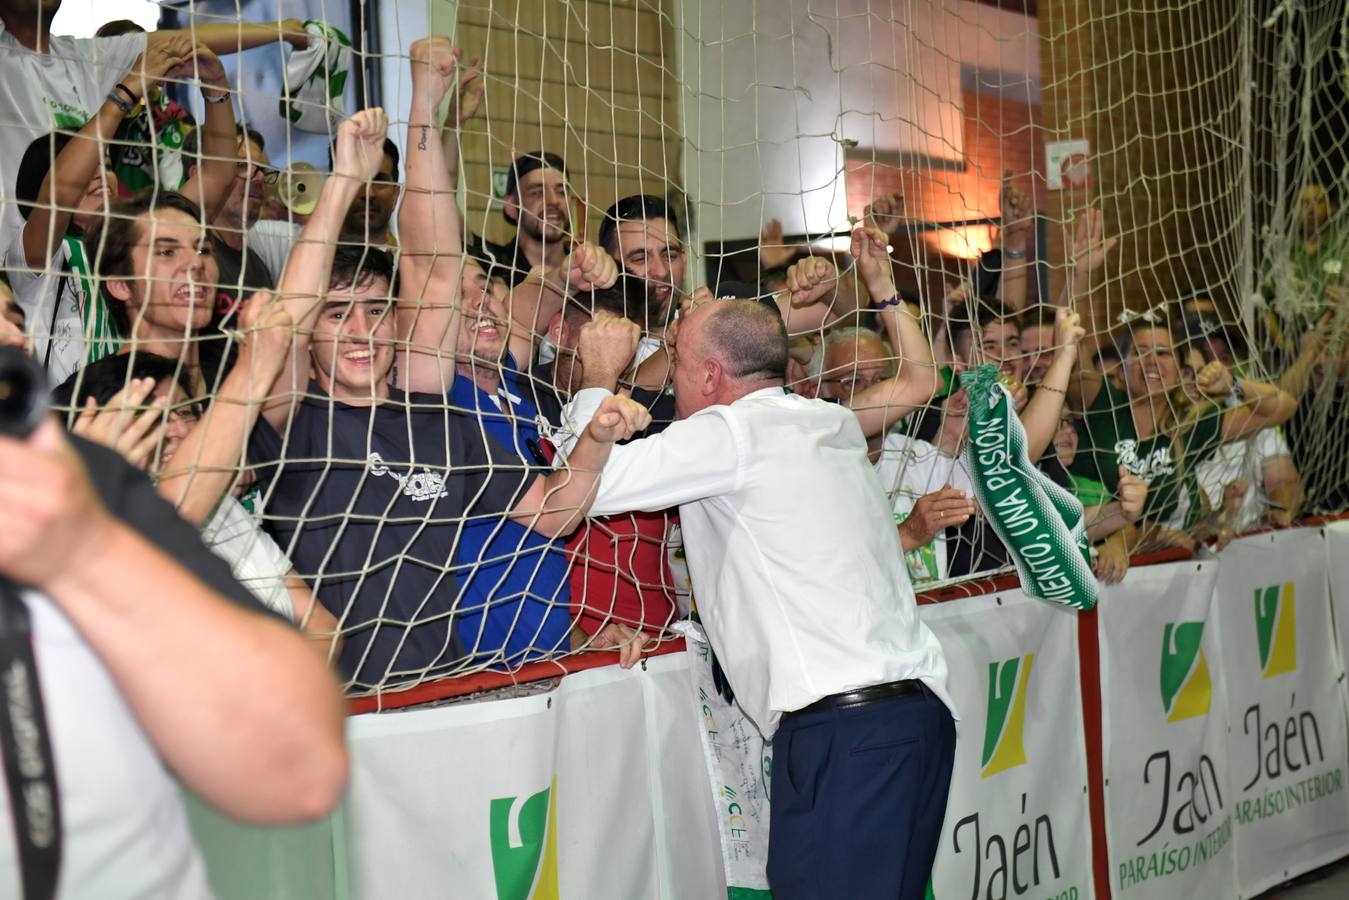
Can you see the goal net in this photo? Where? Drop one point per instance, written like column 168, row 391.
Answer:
column 1172, row 173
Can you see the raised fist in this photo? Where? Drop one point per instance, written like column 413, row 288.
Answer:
column 886, row 212
column 810, row 279
column 360, row 145
column 434, row 61
column 618, row 419
column 588, row 267
column 606, row 347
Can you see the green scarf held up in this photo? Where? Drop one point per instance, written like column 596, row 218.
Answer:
column 1042, row 526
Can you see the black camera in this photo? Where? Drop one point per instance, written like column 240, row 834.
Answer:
column 24, row 393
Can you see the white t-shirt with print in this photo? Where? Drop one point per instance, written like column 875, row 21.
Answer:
column 257, row 562
column 909, row 468
column 62, row 309
column 40, row 92
column 1237, row 461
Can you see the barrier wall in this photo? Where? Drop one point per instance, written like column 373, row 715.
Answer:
column 1186, row 740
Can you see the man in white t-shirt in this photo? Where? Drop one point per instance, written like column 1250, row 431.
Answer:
column 153, row 665
column 797, row 570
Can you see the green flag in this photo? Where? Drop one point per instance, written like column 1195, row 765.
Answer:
column 1042, row 525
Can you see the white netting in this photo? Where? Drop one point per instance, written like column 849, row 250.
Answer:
column 1174, row 172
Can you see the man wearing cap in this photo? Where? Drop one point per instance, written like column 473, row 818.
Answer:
column 538, row 203
column 812, row 617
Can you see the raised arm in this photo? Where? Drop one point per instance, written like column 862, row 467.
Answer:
column 534, row 301
column 813, row 298
column 235, row 37
column 1041, row 415
column 1261, row 405
column 1018, row 228
column 207, row 460
column 555, row 504
column 464, row 105
column 429, row 229
column 304, row 281
column 80, row 160
column 883, row 404
column 210, row 185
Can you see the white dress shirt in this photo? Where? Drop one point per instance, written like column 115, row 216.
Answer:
column 796, row 564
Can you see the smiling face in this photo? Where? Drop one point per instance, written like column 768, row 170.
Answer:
column 174, row 275
column 352, row 347
column 372, row 211
column 1001, row 345
column 243, row 206
column 1150, row 367
column 1037, row 343
column 652, row 250
column 541, row 205
column 482, row 337
column 181, row 418
column 98, row 194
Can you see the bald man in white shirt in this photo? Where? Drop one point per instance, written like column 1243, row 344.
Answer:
column 801, row 584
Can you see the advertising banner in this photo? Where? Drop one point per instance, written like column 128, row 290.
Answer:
column 1168, row 804
column 1017, row 817
column 1285, row 707
column 580, row 791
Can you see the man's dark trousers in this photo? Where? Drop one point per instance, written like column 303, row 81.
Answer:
column 858, row 798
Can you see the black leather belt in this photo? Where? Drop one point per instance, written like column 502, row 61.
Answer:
column 862, row 696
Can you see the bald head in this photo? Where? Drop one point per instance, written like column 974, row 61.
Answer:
column 726, row 349
column 750, row 338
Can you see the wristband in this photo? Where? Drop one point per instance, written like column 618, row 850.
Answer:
column 128, row 92
column 120, row 102
column 222, row 97
column 886, row 304
column 1014, row 254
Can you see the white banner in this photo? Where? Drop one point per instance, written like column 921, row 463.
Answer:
column 1287, row 736
column 739, row 768
column 1337, row 551
column 1017, row 817
column 580, row 792
column 1168, row 804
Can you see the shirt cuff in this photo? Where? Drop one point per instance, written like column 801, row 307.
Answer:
column 576, row 415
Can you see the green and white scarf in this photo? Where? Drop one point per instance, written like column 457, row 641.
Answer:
column 316, row 78
column 1042, row 525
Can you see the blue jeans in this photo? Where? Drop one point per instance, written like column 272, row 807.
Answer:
column 858, row 799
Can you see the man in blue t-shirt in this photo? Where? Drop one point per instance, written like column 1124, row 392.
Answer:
column 367, row 486
column 515, row 599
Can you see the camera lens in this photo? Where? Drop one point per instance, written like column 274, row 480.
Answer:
column 23, row 393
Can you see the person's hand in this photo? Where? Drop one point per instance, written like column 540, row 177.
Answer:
column 1133, row 495
column 434, row 63
column 810, row 279
column 293, row 33
column 125, row 423
column 606, row 347
column 871, row 248
column 1090, row 247
column 1214, row 380
column 1068, row 330
column 268, row 329
column 627, row 641
column 1111, row 562
column 1276, row 518
column 946, row 508
column 468, row 93
column 958, row 293
column 207, row 68
column 1020, row 393
column 618, row 419
column 1234, row 493
column 1174, row 537
column 165, row 52
column 773, row 253
column 588, row 267
column 886, row 212
column 1017, row 215
column 360, row 145
column 52, row 515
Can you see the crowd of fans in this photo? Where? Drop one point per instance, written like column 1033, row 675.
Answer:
column 369, row 412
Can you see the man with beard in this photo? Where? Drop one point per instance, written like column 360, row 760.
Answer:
column 538, row 203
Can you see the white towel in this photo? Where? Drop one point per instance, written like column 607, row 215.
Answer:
column 316, row 78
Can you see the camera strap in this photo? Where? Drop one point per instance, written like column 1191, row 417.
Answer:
column 26, row 745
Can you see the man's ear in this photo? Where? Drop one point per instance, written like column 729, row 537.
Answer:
column 118, row 290
column 555, row 327
column 713, row 376
column 510, row 208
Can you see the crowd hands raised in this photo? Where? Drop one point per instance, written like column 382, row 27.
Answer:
column 370, row 413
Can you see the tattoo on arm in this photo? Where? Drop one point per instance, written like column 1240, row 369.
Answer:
column 421, row 143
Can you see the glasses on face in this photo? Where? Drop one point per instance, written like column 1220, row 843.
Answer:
column 245, row 169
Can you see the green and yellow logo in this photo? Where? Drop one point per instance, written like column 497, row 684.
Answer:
column 1004, row 746
column 1276, row 629
column 1187, row 689
column 524, row 846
